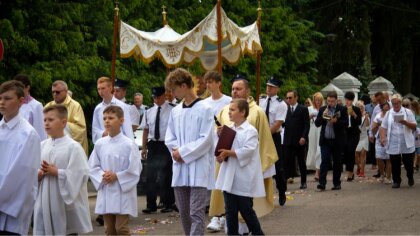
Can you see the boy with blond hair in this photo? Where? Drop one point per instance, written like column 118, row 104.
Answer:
column 114, row 170
column 104, row 85
column 62, row 205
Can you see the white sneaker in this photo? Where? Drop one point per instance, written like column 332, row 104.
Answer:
column 222, row 221
column 214, row 225
column 388, row 181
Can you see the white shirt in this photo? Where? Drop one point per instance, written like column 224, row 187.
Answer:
column 134, row 113
column 149, row 120
column 400, row 137
column 120, row 155
column 98, row 127
column 20, row 149
column 62, row 205
column 277, row 110
column 242, row 175
column 217, row 105
column 33, row 113
column 190, row 131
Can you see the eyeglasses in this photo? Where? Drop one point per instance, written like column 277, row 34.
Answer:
column 57, row 91
column 289, row 97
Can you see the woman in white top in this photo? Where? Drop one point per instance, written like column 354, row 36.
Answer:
column 380, row 150
column 397, row 136
column 363, row 145
column 313, row 159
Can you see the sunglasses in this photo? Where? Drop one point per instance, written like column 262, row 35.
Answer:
column 57, row 92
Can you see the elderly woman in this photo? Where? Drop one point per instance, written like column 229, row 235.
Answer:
column 397, row 136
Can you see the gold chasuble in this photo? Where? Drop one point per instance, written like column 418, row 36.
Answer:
column 268, row 155
column 76, row 123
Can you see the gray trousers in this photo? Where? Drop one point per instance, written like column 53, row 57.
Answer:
column 191, row 202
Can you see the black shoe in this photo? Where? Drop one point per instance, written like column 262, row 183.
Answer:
column 411, row 182
column 320, row 187
column 160, row 206
column 377, row 175
column 175, row 208
column 100, row 220
column 167, row 210
column 282, row 199
column 349, row 179
column 336, row 187
column 149, row 210
column 303, row 186
column 396, row 185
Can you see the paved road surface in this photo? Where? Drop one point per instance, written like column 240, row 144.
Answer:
column 363, row 206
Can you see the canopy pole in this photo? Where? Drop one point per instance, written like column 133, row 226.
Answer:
column 258, row 82
column 165, row 22
column 114, row 44
column 219, row 36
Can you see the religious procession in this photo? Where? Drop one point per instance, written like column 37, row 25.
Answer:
column 215, row 140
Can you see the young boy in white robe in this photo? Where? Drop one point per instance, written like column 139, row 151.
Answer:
column 62, row 205
column 189, row 139
column 240, row 176
column 20, row 148
column 115, row 170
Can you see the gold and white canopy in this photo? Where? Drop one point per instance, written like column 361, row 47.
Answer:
column 199, row 43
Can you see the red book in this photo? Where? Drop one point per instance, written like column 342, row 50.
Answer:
column 225, row 140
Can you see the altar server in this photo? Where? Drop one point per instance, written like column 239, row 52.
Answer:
column 241, row 178
column 31, row 109
column 114, row 170
column 98, row 129
column 20, row 158
column 189, row 139
column 62, row 205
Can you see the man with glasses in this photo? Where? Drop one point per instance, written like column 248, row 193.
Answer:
column 396, row 135
column 296, row 130
column 334, row 119
column 76, row 123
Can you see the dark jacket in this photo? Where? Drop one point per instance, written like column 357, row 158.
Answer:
column 296, row 126
column 339, row 126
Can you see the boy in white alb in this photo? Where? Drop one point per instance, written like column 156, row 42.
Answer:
column 240, row 177
column 62, row 205
column 20, row 149
column 216, row 101
column 114, row 170
column 31, row 109
column 104, row 85
column 189, row 139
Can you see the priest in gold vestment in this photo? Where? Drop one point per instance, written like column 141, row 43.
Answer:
column 76, row 124
column 268, row 154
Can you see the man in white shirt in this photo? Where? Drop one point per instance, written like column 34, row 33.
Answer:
column 157, row 155
column 120, row 90
column 105, row 91
column 31, row 109
column 276, row 111
column 138, row 103
column 20, row 159
column 189, row 139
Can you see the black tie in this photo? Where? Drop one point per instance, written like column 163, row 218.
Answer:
column 267, row 109
column 157, row 129
column 292, row 109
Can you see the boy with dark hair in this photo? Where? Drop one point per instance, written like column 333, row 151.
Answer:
column 62, row 205
column 114, row 170
column 31, row 109
column 19, row 162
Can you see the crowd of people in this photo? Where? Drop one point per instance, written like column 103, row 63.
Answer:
column 45, row 167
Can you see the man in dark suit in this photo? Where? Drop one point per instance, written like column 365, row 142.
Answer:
column 296, row 130
column 334, row 119
column 353, row 134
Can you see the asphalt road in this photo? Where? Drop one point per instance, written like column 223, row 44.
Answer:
column 364, row 206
